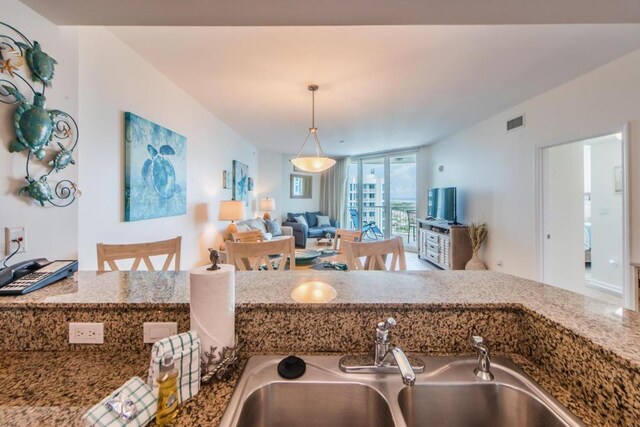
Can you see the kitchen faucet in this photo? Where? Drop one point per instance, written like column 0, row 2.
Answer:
column 388, row 358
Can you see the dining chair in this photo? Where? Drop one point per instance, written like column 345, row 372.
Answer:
column 375, row 254
column 343, row 235
column 247, row 236
column 247, row 256
column 139, row 252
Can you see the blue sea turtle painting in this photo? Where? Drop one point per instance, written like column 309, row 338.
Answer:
column 155, row 170
column 240, row 182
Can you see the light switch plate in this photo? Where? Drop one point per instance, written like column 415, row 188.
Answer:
column 86, row 333
column 154, row 331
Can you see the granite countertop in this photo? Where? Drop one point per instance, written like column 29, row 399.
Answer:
column 48, row 388
column 613, row 328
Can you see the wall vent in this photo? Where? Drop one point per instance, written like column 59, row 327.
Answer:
column 515, row 123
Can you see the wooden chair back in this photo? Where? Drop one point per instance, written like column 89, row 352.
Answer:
column 140, row 252
column 247, row 236
column 250, row 256
column 346, row 236
column 375, row 254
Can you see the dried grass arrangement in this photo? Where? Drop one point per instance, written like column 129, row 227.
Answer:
column 477, row 235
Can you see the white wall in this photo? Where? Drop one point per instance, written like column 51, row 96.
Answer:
column 51, row 232
column 275, row 172
column 495, row 170
column 269, row 182
column 114, row 79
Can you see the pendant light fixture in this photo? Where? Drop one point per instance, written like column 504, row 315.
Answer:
column 319, row 162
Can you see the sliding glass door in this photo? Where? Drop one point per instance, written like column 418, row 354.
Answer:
column 382, row 196
column 402, row 197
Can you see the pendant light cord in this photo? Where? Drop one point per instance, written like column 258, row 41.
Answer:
column 313, row 129
column 313, row 108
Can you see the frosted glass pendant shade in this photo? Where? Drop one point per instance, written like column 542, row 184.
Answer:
column 313, row 164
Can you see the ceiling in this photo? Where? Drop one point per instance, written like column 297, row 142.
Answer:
column 381, row 87
column 334, row 12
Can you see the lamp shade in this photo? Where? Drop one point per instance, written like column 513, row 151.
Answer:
column 313, row 164
column 267, row 204
column 231, row 210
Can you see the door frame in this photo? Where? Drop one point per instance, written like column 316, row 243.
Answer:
column 629, row 290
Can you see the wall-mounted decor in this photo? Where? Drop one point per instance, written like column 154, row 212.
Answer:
column 240, row 182
column 300, row 186
column 250, row 186
column 155, row 175
column 36, row 127
column 227, row 181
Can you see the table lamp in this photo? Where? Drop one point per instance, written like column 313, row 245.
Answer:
column 267, row 205
column 231, row 210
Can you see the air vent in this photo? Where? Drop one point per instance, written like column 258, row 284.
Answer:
column 515, row 123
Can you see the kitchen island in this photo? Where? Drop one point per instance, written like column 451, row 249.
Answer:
column 584, row 352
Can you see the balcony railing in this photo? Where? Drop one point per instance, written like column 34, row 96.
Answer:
column 403, row 220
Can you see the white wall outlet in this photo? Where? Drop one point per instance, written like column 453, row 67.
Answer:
column 154, row 331
column 15, row 233
column 86, row 333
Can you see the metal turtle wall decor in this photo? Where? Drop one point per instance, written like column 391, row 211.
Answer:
column 26, row 71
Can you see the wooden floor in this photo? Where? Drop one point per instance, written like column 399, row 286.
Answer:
column 413, row 262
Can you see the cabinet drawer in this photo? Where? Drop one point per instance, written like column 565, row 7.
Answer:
column 433, row 247
column 432, row 256
column 432, row 237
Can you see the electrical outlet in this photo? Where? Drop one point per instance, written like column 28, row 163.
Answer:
column 86, row 333
column 15, row 233
column 154, row 331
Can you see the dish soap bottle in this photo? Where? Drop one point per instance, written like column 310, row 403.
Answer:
column 167, row 391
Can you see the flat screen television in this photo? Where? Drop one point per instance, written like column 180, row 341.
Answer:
column 441, row 204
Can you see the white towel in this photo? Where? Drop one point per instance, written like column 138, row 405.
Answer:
column 141, row 395
column 186, row 356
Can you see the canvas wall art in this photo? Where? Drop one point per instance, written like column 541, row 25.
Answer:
column 240, row 174
column 155, row 170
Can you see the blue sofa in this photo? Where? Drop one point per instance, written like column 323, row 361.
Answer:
column 302, row 232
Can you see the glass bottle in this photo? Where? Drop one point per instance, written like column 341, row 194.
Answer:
column 167, row 391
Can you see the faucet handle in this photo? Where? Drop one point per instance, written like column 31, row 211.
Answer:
column 387, row 324
column 382, row 330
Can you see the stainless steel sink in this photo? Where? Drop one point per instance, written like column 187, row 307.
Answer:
column 479, row 405
column 315, row 405
column 447, row 394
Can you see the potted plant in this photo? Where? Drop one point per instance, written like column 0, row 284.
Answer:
column 477, row 236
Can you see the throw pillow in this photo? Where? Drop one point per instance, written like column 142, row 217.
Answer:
column 291, row 216
column 300, row 219
column 274, row 227
column 257, row 224
column 243, row 227
column 312, row 218
column 324, row 221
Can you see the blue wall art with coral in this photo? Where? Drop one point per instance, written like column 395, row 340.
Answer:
column 155, row 170
column 240, row 182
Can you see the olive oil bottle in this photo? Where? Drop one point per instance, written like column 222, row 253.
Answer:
column 167, row 391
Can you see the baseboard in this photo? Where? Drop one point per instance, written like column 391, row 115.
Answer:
column 604, row 287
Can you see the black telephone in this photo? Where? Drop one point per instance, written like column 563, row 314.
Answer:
column 28, row 276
